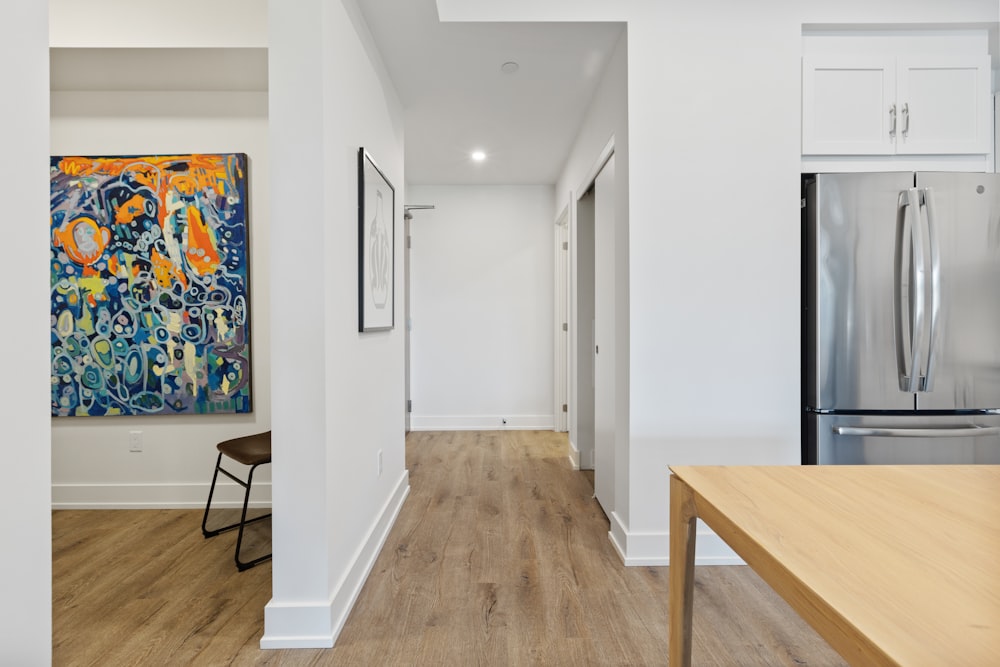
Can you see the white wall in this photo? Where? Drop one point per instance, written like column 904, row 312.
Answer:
column 606, row 123
column 482, row 307
column 337, row 399
column 715, row 254
column 713, row 228
column 178, row 24
column 91, row 463
column 26, row 572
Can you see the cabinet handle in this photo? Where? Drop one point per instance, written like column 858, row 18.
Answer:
column 906, row 119
column 892, row 121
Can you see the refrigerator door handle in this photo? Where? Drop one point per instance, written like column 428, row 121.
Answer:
column 918, row 291
column 957, row 432
column 909, row 245
column 899, row 265
column 927, row 381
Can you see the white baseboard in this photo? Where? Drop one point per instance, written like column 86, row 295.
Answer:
column 156, row 496
column 653, row 549
column 581, row 460
column 481, row 422
column 317, row 625
column 574, row 456
column 618, row 536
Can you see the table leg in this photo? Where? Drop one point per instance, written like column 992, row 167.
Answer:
column 683, row 523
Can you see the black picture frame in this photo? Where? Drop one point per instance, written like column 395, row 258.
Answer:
column 376, row 247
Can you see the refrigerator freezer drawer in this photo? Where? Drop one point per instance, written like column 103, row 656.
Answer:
column 854, row 440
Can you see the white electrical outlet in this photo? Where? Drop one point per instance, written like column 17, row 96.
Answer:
column 135, row 441
column 380, row 463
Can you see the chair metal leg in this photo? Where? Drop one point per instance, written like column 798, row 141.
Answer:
column 241, row 524
column 208, row 505
column 241, row 565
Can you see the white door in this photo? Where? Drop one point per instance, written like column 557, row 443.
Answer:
column 945, row 105
column 581, row 423
column 848, row 105
column 406, row 319
column 604, row 336
column 561, row 321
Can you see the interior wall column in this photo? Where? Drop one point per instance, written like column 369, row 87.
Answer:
column 300, row 579
column 25, row 495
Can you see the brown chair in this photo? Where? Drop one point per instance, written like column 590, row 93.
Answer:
column 251, row 450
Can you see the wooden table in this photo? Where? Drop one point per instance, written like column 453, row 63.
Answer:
column 892, row 565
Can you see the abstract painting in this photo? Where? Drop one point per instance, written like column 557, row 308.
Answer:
column 149, row 285
column 376, row 246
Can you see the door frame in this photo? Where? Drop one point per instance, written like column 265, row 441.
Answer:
column 561, row 347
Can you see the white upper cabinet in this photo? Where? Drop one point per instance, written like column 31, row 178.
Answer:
column 945, row 105
column 884, row 105
column 846, row 105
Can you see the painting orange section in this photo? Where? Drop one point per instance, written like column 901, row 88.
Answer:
column 204, row 171
column 128, row 210
column 82, row 238
column 165, row 271
column 201, row 252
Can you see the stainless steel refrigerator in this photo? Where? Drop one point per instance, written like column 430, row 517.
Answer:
column 901, row 318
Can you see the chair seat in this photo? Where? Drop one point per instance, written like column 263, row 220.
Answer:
column 249, row 450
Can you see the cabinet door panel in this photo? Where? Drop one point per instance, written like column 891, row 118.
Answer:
column 846, row 105
column 947, row 101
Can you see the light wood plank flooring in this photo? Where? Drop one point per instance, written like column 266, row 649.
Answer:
column 500, row 556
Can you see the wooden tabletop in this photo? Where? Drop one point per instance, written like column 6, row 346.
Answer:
column 893, row 565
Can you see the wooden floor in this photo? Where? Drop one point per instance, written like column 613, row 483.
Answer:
column 500, row 556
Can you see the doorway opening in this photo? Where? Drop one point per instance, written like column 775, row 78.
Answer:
column 593, row 421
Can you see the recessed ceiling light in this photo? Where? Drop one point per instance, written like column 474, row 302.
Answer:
column 478, row 156
column 509, row 67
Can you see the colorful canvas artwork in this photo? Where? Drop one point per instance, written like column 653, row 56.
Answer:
column 149, row 284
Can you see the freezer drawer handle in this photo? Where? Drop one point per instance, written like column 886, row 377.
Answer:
column 958, row 432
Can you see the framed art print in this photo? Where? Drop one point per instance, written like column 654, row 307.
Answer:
column 149, row 285
column 376, row 246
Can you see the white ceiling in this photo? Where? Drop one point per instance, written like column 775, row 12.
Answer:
column 456, row 99
column 454, row 96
